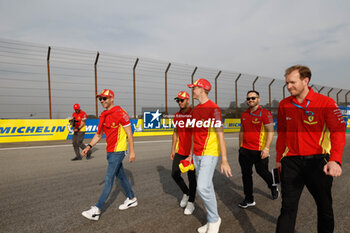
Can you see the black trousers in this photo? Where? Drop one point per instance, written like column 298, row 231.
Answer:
column 176, row 174
column 78, row 138
column 296, row 173
column 248, row 158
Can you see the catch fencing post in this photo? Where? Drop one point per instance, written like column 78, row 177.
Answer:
column 166, row 89
column 134, row 82
column 346, row 98
column 236, row 95
column 270, row 93
column 338, row 95
column 216, row 87
column 256, row 79
column 49, row 79
column 194, row 71
column 95, row 68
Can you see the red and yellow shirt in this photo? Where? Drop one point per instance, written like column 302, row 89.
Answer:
column 184, row 134
column 253, row 123
column 111, row 123
column 81, row 116
column 207, row 117
column 313, row 127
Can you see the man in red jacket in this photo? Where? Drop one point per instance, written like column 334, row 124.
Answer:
column 309, row 147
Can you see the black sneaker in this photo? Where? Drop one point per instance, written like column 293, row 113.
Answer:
column 76, row 158
column 245, row 204
column 275, row 193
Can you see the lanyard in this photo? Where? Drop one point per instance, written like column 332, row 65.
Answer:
column 256, row 114
column 309, row 113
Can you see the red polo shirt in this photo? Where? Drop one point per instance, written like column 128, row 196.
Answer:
column 79, row 117
column 302, row 134
column 205, row 138
column 112, row 122
column 254, row 133
column 184, row 134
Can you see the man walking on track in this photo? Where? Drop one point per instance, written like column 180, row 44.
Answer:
column 181, row 150
column 115, row 123
column 255, row 139
column 208, row 143
column 310, row 144
column 78, row 124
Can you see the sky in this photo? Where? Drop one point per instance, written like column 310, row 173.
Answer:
column 253, row 37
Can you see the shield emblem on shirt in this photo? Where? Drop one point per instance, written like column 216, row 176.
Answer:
column 311, row 118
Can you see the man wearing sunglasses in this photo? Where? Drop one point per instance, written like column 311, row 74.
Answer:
column 78, row 124
column 208, row 144
column 255, row 139
column 181, row 149
column 115, row 124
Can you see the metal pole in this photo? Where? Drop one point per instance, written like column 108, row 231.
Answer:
column 319, row 91
column 95, row 67
column 194, row 71
column 236, row 95
column 134, row 82
column 166, row 89
column 338, row 95
column 329, row 92
column 216, row 87
column 284, row 90
column 346, row 98
column 270, row 93
column 49, row 79
column 256, row 79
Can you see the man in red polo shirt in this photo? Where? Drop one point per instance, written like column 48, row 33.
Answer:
column 208, row 144
column 78, row 125
column 181, row 149
column 115, row 124
column 309, row 147
column 255, row 139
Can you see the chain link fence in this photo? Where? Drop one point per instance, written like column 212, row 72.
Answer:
column 43, row 82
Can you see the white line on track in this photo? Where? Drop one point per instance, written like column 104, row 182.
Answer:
column 66, row 145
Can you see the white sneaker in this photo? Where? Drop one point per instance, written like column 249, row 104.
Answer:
column 189, row 208
column 184, row 200
column 213, row 227
column 203, row 229
column 92, row 214
column 128, row 203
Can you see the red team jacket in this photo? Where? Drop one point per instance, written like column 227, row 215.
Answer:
column 313, row 127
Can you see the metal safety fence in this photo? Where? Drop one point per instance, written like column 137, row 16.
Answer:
column 43, row 82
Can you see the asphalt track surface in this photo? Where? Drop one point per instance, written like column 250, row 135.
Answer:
column 42, row 190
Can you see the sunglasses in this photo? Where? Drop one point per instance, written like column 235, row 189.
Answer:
column 180, row 100
column 102, row 98
column 251, row 98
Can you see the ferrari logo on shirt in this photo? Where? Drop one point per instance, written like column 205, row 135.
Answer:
column 113, row 125
column 310, row 120
column 256, row 121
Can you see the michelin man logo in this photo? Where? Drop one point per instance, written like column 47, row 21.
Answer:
column 151, row 120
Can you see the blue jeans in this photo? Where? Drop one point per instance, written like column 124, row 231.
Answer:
column 115, row 168
column 205, row 167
